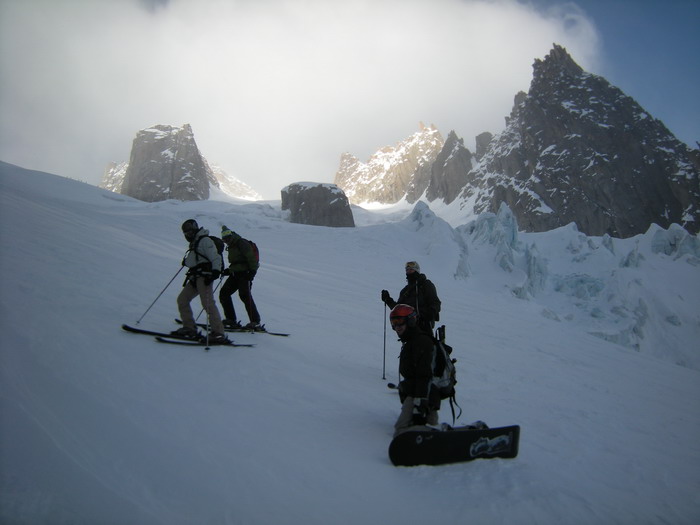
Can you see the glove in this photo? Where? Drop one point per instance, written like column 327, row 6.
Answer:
column 227, row 271
column 420, row 411
column 385, row 296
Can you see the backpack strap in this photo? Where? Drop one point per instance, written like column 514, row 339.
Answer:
column 439, row 338
column 196, row 244
column 453, row 404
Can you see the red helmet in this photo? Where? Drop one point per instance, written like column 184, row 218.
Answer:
column 403, row 314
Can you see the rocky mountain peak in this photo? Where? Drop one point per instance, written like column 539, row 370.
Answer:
column 576, row 149
column 393, row 172
column 557, row 62
column 165, row 163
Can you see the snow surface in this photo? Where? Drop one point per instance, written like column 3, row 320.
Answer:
column 99, row 426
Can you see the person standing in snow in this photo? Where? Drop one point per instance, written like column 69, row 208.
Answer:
column 419, row 403
column 421, row 294
column 243, row 265
column 205, row 265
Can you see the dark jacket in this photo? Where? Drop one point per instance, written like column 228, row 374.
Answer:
column 420, row 293
column 416, row 365
column 241, row 257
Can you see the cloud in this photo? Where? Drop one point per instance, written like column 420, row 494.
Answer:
column 275, row 90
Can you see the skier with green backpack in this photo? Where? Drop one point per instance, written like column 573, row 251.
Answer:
column 244, row 262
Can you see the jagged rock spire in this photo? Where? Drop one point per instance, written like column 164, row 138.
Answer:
column 577, row 149
column 165, row 164
column 393, row 172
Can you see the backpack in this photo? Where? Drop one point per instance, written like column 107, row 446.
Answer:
column 219, row 247
column 254, row 247
column 444, row 371
column 218, row 243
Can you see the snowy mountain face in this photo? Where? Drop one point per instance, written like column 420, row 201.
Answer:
column 574, row 149
column 393, row 172
column 234, row 187
column 113, row 178
column 166, row 164
column 588, row 343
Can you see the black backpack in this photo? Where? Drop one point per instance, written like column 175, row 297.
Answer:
column 219, row 247
column 444, row 371
column 219, row 244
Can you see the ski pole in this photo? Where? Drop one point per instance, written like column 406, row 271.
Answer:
column 161, row 293
column 384, row 358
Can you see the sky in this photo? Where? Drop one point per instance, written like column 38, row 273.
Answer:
column 277, row 90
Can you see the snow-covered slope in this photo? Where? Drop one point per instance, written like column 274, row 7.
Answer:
column 101, row 426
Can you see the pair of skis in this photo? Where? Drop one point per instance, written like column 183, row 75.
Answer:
column 164, row 337
column 243, row 330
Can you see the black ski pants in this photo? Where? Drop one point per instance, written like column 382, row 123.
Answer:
column 242, row 285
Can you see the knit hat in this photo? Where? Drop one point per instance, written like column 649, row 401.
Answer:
column 225, row 232
column 413, row 265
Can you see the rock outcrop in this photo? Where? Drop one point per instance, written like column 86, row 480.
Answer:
column 317, row 204
column 165, row 163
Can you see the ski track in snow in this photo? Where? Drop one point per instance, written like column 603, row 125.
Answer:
column 101, row 426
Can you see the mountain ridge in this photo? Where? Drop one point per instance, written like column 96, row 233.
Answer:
column 574, row 149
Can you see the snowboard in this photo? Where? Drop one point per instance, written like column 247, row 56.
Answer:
column 438, row 447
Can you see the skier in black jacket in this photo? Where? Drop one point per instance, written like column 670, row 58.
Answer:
column 420, row 293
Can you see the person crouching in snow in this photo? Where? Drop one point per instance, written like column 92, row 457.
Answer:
column 418, row 407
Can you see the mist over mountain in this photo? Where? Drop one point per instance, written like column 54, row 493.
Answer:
column 574, row 149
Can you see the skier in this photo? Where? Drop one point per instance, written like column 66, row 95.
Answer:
column 205, row 265
column 420, row 293
column 243, row 265
column 418, row 406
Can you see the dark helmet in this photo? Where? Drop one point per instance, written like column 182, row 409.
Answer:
column 190, row 229
column 189, row 225
column 403, row 314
